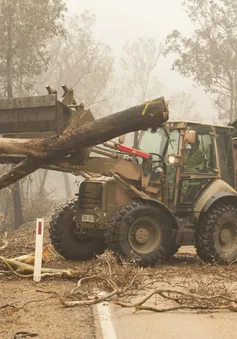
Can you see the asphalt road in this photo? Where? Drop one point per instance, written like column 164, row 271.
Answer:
column 120, row 323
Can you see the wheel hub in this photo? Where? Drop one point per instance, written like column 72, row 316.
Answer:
column 228, row 236
column 225, row 236
column 142, row 235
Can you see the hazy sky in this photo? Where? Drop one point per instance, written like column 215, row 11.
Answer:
column 123, row 20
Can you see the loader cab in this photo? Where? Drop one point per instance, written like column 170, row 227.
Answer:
column 193, row 156
column 216, row 145
column 199, row 165
column 209, row 155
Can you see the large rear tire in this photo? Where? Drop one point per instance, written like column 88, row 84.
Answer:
column 142, row 232
column 216, row 235
column 65, row 239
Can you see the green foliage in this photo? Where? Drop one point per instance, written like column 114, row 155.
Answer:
column 209, row 55
column 26, row 26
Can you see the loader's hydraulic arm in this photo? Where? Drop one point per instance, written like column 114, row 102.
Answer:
column 144, row 171
column 127, row 149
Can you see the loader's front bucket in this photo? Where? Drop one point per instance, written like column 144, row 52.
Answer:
column 39, row 117
column 33, row 117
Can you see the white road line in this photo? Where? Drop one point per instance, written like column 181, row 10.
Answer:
column 106, row 321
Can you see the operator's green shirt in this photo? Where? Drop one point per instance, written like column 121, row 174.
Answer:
column 194, row 162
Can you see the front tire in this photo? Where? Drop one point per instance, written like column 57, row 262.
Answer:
column 66, row 241
column 142, row 232
column 216, row 235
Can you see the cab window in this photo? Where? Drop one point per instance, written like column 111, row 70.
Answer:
column 200, row 157
column 173, row 147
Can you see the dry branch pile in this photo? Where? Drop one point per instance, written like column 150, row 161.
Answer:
column 130, row 287
column 184, row 284
column 183, row 301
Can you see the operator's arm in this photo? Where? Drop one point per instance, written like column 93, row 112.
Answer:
column 198, row 159
column 195, row 162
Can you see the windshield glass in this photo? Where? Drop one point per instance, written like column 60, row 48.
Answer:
column 153, row 142
column 173, row 142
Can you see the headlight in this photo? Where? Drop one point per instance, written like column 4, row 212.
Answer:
column 171, row 159
column 175, row 159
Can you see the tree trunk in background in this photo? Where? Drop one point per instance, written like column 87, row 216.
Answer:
column 18, row 213
column 42, row 182
column 67, row 185
column 16, row 193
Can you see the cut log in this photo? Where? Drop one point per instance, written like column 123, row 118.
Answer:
column 44, row 151
column 23, row 270
column 47, row 256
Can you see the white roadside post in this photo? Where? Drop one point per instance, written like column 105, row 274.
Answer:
column 38, row 249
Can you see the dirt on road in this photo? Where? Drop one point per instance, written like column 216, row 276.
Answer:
column 39, row 312
column 35, row 308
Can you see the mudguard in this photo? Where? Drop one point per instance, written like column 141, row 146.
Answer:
column 220, row 191
column 217, row 196
column 164, row 207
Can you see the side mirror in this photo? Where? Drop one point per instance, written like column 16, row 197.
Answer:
column 121, row 139
column 190, row 137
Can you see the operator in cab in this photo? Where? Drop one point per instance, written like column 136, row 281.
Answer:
column 194, row 158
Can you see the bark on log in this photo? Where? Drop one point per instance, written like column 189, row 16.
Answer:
column 44, row 151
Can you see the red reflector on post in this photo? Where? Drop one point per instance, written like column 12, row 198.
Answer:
column 38, row 249
column 133, row 151
column 40, row 227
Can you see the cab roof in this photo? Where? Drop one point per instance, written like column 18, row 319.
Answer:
column 184, row 123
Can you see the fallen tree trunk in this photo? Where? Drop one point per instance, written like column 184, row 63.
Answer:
column 44, row 151
column 90, row 134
